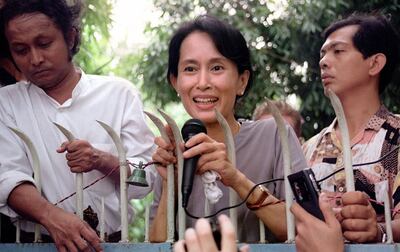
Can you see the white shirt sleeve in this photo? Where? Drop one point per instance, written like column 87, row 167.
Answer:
column 15, row 167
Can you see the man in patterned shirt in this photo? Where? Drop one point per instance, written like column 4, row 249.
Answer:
column 358, row 58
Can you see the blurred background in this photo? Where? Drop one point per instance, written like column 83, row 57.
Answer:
column 129, row 38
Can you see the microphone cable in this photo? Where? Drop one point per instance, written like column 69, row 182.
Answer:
column 281, row 179
column 361, row 164
column 234, row 206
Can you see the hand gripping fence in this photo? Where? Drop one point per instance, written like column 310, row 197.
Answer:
column 347, row 159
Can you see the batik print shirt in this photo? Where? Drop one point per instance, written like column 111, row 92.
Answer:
column 379, row 136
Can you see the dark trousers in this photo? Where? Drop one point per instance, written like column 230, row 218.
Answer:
column 8, row 230
column 27, row 237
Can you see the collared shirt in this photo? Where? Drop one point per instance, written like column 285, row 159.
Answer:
column 28, row 108
column 379, row 136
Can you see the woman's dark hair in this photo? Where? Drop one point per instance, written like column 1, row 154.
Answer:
column 227, row 39
column 374, row 35
column 65, row 17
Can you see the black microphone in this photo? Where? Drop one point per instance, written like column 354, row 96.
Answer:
column 189, row 129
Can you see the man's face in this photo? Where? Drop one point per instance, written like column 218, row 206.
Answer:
column 343, row 68
column 39, row 49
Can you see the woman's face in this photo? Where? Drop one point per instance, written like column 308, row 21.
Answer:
column 206, row 79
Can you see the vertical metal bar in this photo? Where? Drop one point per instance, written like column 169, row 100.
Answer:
column 78, row 176
column 207, row 210
column 18, row 232
column 170, row 182
column 230, row 147
column 124, row 200
column 347, row 156
column 388, row 219
column 283, row 133
column 102, row 219
column 147, row 223
column 262, row 231
column 178, row 152
column 123, row 171
column 79, row 194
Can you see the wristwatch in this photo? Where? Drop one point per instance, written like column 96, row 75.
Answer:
column 259, row 203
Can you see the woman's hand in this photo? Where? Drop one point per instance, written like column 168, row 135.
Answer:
column 165, row 153
column 213, row 156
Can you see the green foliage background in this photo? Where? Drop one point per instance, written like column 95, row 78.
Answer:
column 284, row 38
column 95, row 54
column 285, row 49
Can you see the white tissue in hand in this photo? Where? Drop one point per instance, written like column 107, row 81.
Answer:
column 211, row 189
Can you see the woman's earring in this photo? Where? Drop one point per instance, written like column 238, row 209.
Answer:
column 177, row 94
